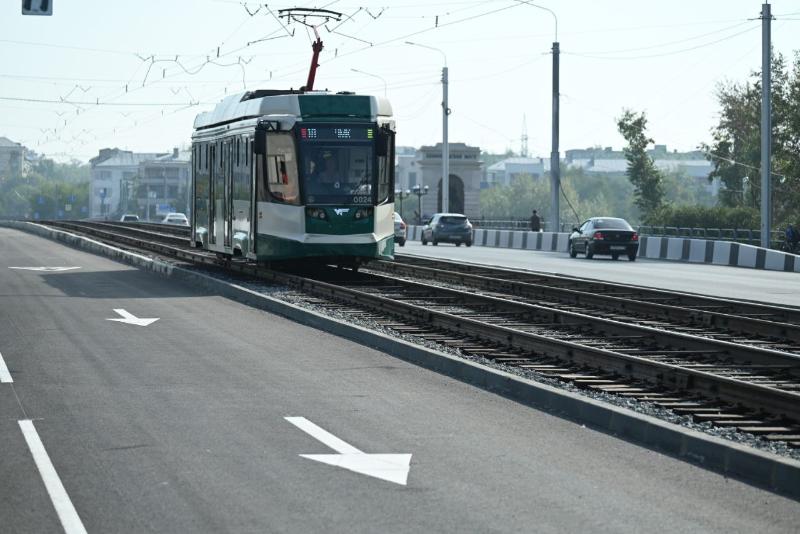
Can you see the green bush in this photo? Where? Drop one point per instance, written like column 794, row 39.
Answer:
column 705, row 217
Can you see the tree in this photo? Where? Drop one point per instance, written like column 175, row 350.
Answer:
column 584, row 195
column 735, row 149
column 49, row 191
column 642, row 172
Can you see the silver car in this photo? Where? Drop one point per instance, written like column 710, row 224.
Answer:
column 400, row 230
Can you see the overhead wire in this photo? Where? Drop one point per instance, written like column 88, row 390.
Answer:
column 670, row 43
column 465, row 6
column 664, row 54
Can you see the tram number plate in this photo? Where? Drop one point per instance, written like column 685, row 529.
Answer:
column 617, row 248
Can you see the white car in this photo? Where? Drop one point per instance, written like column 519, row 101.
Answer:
column 399, row 230
column 178, row 219
column 129, row 217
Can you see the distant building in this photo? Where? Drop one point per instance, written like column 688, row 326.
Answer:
column 466, row 170
column 110, row 170
column 12, row 158
column 505, row 171
column 608, row 161
column 407, row 172
column 163, row 185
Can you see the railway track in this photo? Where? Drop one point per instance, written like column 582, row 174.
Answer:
column 749, row 384
column 762, row 324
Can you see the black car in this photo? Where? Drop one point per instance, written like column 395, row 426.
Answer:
column 604, row 235
column 447, row 228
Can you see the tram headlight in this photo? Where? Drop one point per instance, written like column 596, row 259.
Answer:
column 316, row 213
column 363, row 213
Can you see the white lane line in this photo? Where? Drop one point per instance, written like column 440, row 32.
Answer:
column 66, row 512
column 5, row 376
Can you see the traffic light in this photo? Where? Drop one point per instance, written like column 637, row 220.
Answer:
column 37, row 7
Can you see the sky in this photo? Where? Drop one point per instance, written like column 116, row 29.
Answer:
column 134, row 74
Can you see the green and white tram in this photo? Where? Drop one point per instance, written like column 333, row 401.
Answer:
column 283, row 175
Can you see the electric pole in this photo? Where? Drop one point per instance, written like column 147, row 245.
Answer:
column 445, row 146
column 555, row 166
column 766, row 126
column 523, row 148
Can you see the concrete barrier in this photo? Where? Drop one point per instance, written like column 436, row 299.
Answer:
column 682, row 249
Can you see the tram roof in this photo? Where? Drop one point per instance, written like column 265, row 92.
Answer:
column 303, row 105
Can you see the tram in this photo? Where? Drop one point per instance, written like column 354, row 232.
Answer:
column 295, row 175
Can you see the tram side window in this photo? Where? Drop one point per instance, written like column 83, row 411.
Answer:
column 386, row 177
column 281, row 172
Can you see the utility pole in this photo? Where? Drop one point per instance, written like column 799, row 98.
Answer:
column 523, row 148
column 766, row 126
column 555, row 166
column 445, row 145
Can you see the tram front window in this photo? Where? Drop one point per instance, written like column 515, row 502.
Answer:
column 338, row 174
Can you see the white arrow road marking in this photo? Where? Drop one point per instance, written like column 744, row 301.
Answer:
column 69, row 518
column 45, row 269
column 129, row 318
column 389, row 467
column 5, row 376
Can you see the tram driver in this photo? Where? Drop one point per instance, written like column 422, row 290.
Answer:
column 327, row 175
column 329, row 171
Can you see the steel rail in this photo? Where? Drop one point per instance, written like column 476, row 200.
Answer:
column 778, row 402
column 737, row 352
column 147, row 232
column 652, row 310
column 788, row 314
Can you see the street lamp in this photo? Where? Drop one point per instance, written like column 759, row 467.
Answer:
column 420, row 192
column 374, row 76
column 399, row 193
column 555, row 165
column 445, row 145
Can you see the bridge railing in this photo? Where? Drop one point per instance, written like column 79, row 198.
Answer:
column 747, row 236
column 516, row 224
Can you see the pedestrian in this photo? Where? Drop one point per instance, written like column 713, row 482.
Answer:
column 536, row 222
column 792, row 238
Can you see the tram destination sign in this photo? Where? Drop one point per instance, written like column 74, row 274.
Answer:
column 337, row 133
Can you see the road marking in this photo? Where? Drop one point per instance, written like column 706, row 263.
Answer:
column 45, row 269
column 129, row 318
column 389, row 467
column 69, row 518
column 5, row 376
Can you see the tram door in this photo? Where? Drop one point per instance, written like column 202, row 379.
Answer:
column 227, row 210
column 251, row 158
column 212, row 194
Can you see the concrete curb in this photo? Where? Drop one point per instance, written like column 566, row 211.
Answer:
column 750, row 465
column 680, row 249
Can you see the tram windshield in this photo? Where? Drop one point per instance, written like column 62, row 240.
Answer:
column 338, row 173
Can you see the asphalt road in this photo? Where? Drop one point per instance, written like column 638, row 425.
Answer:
column 180, row 426
column 718, row 280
